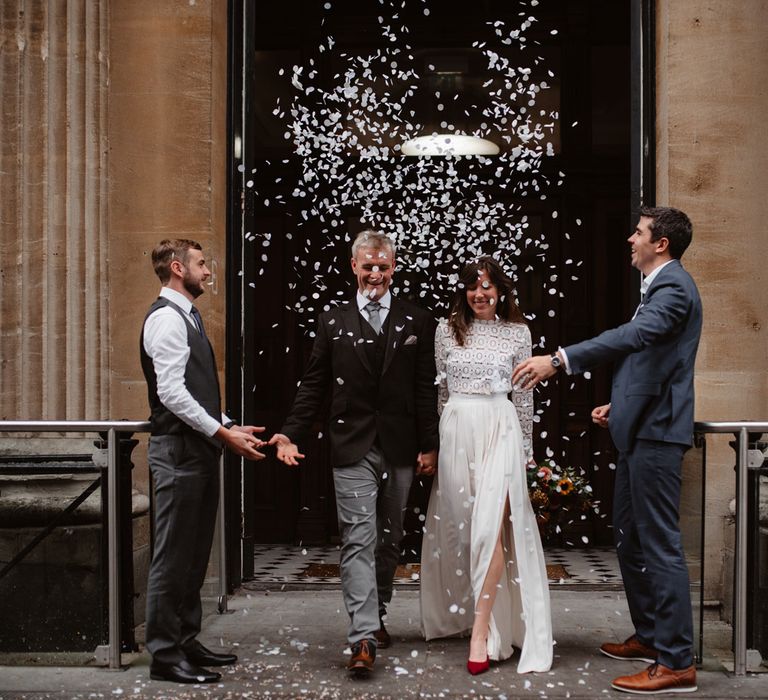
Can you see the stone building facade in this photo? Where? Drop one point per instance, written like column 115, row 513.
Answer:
column 113, row 135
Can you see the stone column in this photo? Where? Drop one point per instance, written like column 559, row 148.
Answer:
column 53, row 310
column 112, row 137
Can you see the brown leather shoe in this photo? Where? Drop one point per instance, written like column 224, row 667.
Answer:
column 383, row 640
column 363, row 656
column 658, row 679
column 631, row 649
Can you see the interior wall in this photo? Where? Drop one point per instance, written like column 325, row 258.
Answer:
column 712, row 97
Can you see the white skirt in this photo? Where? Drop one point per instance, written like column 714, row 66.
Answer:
column 481, row 467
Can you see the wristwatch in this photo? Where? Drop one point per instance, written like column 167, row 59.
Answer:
column 554, row 358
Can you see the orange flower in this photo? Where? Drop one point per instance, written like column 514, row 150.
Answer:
column 544, row 473
column 565, row 486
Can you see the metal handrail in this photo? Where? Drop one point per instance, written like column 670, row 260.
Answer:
column 112, row 428
column 741, row 429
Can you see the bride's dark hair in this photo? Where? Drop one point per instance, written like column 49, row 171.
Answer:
column 461, row 316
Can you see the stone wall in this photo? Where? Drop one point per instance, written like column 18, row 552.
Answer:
column 112, row 137
column 54, row 312
column 113, row 123
column 712, row 159
column 167, row 166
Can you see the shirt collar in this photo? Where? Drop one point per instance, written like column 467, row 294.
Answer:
column 177, row 298
column 647, row 281
column 385, row 301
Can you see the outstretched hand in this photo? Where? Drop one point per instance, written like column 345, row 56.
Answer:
column 242, row 441
column 251, row 430
column 287, row 452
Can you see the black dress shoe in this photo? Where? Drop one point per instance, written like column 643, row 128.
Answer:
column 182, row 672
column 383, row 640
column 201, row 656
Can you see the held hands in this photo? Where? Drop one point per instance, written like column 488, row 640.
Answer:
column 242, row 441
column 600, row 415
column 532, row 371
column 426, row 463
column 287, row 452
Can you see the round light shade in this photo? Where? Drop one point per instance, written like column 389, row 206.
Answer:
column 449, row 145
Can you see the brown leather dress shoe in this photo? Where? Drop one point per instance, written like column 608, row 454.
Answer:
column 631, row 649
column 383, row 640
column 658, row 679
column 363, row 656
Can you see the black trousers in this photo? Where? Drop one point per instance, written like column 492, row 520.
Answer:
column 185, row 469
column 649, row 548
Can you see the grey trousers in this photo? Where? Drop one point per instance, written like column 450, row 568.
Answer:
column 185, row 470
column 371, row 496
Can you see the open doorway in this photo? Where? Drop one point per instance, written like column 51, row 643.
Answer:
column 307, row 67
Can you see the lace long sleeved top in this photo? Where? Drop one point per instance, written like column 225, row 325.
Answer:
column 484, row 364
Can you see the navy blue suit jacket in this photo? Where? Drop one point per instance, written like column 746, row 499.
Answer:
column 654, row 356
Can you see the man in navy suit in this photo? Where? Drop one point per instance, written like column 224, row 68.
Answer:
column 650, row 418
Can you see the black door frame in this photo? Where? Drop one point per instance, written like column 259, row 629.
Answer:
column 643, row 103
column 239, row 487
column 237, row 566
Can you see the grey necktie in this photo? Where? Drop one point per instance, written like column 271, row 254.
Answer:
column 198, row 320
column 373, row 308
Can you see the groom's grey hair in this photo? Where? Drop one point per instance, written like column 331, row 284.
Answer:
column 373, row 239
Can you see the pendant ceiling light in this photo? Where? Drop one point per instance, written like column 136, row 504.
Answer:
column 450, row 104
column 449, row 145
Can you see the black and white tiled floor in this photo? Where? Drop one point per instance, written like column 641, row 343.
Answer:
column 282, row 566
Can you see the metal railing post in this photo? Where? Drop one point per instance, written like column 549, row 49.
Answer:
column 111, row 653
column 742, row 430
column 113, row 548
column 222, row 540
column 740, row 583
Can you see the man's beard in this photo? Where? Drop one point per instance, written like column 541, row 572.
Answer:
column 194, row 288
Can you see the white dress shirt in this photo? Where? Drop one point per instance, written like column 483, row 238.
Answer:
column 385, row 302
column 647, row 281
column 165, row 341
column 644, row 285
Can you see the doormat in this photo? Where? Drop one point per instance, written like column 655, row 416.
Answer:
column 555, row 572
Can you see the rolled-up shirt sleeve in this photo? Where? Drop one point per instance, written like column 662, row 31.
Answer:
column 165, row 341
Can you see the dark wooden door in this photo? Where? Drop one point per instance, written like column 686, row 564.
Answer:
column 585, row 286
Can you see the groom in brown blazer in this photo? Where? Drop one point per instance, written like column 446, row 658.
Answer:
column 375, row 357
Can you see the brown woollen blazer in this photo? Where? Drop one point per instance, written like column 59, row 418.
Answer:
column 399, row 407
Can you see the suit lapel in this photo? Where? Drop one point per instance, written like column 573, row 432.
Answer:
column 397, row 322
column 352, row 320
column 667, row 268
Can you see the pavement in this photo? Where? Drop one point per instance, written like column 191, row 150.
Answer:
column 291, row 645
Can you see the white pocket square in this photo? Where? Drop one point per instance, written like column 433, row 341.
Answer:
column 411, row 340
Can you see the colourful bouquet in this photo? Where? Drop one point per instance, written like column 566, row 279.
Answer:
column 560, row 498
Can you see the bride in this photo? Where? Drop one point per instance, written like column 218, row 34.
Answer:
column 482, row 563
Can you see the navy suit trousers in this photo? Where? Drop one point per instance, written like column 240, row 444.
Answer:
column 649, row 548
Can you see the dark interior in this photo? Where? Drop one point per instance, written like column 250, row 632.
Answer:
column 292, row 265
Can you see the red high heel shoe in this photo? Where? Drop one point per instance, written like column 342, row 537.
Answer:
column 478, row 667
